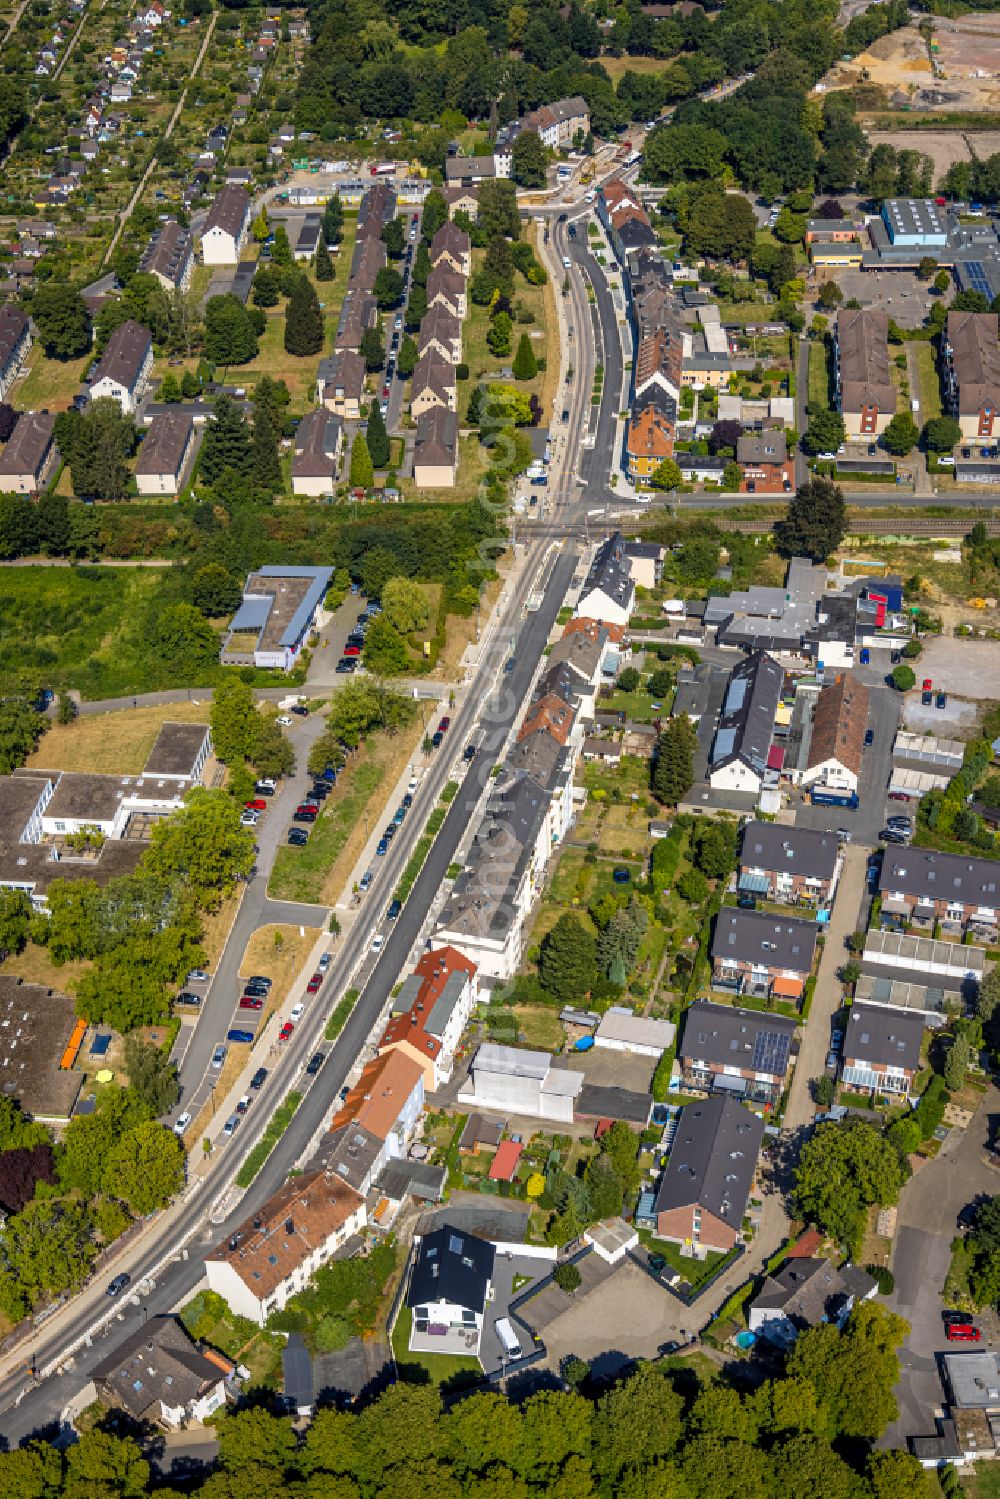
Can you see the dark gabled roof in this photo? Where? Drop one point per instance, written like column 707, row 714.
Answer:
column 452, row 1266
column 437, row 438
column 746, row 720
column 165, row 444
column 890, row 1037
column 561, row 681
column 168, row 252
column 712, row 1160
column 804, row 851
column 28, row 443
column 758, row 936
column 610, row 571
column 725, row 1036
column 229, row 211
column 931, row 875
column 807, row 1291
column 158, row 1363
column 539, row 755
column 125, row 354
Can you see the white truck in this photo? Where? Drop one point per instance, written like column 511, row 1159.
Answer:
column 508, row 1338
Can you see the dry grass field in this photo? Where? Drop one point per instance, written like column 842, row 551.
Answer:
column 112, row 743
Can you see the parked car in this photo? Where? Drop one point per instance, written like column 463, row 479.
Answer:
column 314, row 1064
column 296, row 1012
column 926, row 698
column 251, row 1002
column 351, row 650
column 243, row 1104
column 962, row 1332
column 395, row 906
column 182, row 1122
column 257, row 805
column 313, row 986
column 267, row 787
column 260, row 980
column 283, row 719
column 407, row 800
column 242, row 1037
column 325, row 961
column 259, row 1079
column 470, row 752
column 941, row 701
column 346, row 666
column 436, row 739
column 218, row 1057
column 298, row 837
column 378, row 942
column 366, row 878
column 231, row 1125
column 300, row 709
column 390, row 831
column 119, row 1283
column 445, row 724
column 198, row 976
column 187, row 998
column 249, row 819
column 286, row 1031
column 869, row 738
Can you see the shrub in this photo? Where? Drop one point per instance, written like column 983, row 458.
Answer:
column 567, row 1278
column 883, row 1278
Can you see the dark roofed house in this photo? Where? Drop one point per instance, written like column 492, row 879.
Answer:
column 449, row 1288
column 451, row 246
column 746, row 722
column 708, row 1177
column 15, row 346
column 158, row 1374
column 124, row 370
column 805, row 1293
column 745, row 1053
column 442, row 331
column 435, row 454
column 924, row 886
column 226, row 226
column 164, row 454
column 881, row 1049
column 317, row 451
column 433, row 384
column 836, row 748
column 608, row 593
column 169, row 256
column 31, row 456
column 757, row 953
column 340, row 384
column 788, row 864
column 446, row 288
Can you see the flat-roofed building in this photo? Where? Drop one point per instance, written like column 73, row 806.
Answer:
column 278, row 612
column 955, row 967
column 513, row 1080
column 37, row 1025
column 30, row 457
column 165, row 454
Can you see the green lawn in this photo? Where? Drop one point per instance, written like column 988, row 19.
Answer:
column 692, row 1270
column 630, row 775
column 206, row 1316
column 300, row 873
column 439, row 1368
column 819, row 374
column 929, row 381
column 639, row 706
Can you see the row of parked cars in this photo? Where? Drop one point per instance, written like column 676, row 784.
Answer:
column 350, row 657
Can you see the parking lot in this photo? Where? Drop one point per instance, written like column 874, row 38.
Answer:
column 969, row 668
column 901, row 294
column 615, row 1309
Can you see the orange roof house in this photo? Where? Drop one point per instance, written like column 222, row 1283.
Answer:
column 379, row 1094
column 549, row 713
column 503, row 1167
column 431, row 1012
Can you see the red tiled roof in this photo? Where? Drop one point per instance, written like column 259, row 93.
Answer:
column 504, row 1163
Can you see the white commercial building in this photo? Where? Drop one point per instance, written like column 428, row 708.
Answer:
column 514, row 1081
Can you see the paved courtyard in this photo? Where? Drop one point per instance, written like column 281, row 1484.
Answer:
column 970, row 668
column 901, row 294
column 624, row 1310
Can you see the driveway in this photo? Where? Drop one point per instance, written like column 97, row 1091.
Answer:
column 866, row 821
column 928, row 1221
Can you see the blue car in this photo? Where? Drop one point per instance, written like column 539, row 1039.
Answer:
column 383, row 846
column 621, row 876
column 236, row 1035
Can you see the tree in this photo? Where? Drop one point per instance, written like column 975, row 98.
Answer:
column 567, row 967
column 673, row 766
column 63, row 322
column 895, row 1474
column 215, row 591
column 146, row 1168
column 266, row 287
column 226, row 444
column 529, row 160
column 406, row 360
column 49, row 1247
column 66, row 709
column 903, row 677
column 378, row 565
column 324, row 263
column 901, row 435
column 362, row 473
column 170, row 388
column 265, row 460
column 825, row 432
column 692, row 887
column 333, row 219
column 232, row 714
column 151, row 1075
column 525, row 364
column 629, row 679
column 385, row 650
column 434, row 215
column 815, row 523
column 843, row 1169
column 853, row 1372
column 303, row 320
column 377, row 437
column 281, row 250
column 8, row 421
column 535, row 1186
column 388, row 287
column 21, row 727
column 103, row 440
column 956, row 1063
column 724, row 435
column 567, row 1277
column 20, row 1172
column 499, row 334
column 988, row 997
column 393, row 237
column 830, row 295
column 203, row 843
column 372, row 347
column 941, row 434
column 405, row 606
column 229, row 333
column 941, row 283
column 15, row 921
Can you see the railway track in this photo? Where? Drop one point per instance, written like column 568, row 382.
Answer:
column 859, row 525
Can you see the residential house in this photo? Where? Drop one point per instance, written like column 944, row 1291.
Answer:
column 659, row 358
column 558, row 125
column 357, row 314
column 340, row 384
column 744, row 1053
column 431, row 1011
column 708, row 1178
column 738, row 759
column 645, row 560
column 836, row 749
column 226, row 227
column 30, row 457
column 926, row 888
column 450, row 1285
column 757, row 953
column 650, row 437
column 169, row 256
column 384, row 1106
column 446, row 288
column 513, row 1080
column 583, row 656
column 451, row 247
column 123, row 372
column 318, row 442
column 276, row 1251
column 804, row 1293
column 433, row 386
column 442, row 331
column 608, row 593
column 788, row 864
column 461, row 200
column 866, row 395
column 278, row 613
column 15, row 346
column 157, row 1374
column 881, row 1049
column 468, row 171
column 765, row 464
column 165, row 454
column 971, row 362
column 435, row 453
column 369, row 258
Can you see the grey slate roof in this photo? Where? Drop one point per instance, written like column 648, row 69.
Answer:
column 157, row 1362
column 712, row 1160
column 452, row 1266
column 931, row 875
column 610, row 571
column 810, row 1291
column 725, row 1036
column 746, row 720
column 758, row 937
column 228, row 211
column 804, row 851
column 876, row 1034
column 125, row 354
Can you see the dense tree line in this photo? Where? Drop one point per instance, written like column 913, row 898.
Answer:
column 659, row 1434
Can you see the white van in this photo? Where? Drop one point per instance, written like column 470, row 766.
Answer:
column 508, row 1338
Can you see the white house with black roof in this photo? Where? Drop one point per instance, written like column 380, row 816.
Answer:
column 738, row 758
column 763, row 955
column 788, row 864
column 450, row 1285
column 608, row 593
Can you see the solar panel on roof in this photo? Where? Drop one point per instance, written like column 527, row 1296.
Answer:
column 974, row 272
column 770, row 1052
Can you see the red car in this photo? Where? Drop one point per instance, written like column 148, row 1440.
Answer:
column 444, row 725
column 314, row 984
column 962, row 1332
column 927, row 684
column 352, row 650
column 286, row 1031
column 257, row 805
column 249, row 1002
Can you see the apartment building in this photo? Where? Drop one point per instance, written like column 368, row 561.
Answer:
column 836, row 748
column 788, row 864
column 881, row 1049
column 866, row 395
column 744, row 1053
column 766, row 956
column 970, row 358
column 925, row 888
column 15, row 346
column 30, row 457
column 226, row 227
column 739, row 753
column 708, row 1178
column 431, row 1011
column 125, row 367
column 169, row 256
column 165, row 454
